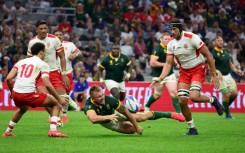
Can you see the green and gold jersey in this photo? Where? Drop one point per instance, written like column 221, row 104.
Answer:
column 222, row 60
column 108, row 108
column 160, row 52
column 114, row 67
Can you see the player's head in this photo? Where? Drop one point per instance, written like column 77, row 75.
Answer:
column 38, row 49
column 165, row 38
column 82, row 78
column 175, row 27
column 41, row 29
column 58, row 33
column 219, row 42
column 115, row 50
column 97, row 95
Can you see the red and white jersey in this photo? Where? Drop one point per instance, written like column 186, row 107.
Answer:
column 28, row 73
column 52, row 47
column 69, row 48
column 186, row 50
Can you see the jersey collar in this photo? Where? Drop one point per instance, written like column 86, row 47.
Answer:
column 161, row 44
column 114, row 57
column 217, row 49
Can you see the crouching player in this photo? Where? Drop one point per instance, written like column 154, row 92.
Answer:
column 24, row 94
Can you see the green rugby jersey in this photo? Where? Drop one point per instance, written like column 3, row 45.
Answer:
column 108, row 108
column 161, row 53
column 222, row 60
column 115, row 68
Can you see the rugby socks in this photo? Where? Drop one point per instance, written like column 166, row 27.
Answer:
column 226, row 107
column 10, row 127
column 211, row 99
column 157, row 115
column 231, row 100
column 191, row 123
column 175, row 102
column 150, row 101
column 53, row 122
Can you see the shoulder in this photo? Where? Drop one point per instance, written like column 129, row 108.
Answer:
column 51, row 36
column 188, row 35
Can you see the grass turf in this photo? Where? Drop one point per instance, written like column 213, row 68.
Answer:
column 216, row 135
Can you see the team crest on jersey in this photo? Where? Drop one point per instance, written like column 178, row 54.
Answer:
column 122, row 60
column 111, row 62
column 173, row 47
column 108, row 106
column 185, row 46
column 66, row 48
column 48, row 44
column 218, row 54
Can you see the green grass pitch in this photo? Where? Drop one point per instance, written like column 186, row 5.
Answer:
column 216, row 135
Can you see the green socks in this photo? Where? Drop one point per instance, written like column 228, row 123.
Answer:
column 157, row 115
column 226, row 107
column 150, row 101
column 175, row 102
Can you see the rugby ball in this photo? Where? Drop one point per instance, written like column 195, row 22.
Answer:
column 131, row 104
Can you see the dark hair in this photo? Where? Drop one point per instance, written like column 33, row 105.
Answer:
column 57, row 30
column 94, row 88
column 39, row 22
column 175, row 23
column 115, row 44
column 37, row 47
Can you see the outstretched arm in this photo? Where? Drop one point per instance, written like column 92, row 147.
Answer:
column 122, row 109
column 95, row 119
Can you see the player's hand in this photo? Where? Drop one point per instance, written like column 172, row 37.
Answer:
column 139, row 130
column 215, row 81
column 155, row 82
column 71, row 57
column 113, row 117
column 240, row 73
column 65, row 81
column 64, row 101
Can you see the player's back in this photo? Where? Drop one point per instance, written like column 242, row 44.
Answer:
column 29, row 70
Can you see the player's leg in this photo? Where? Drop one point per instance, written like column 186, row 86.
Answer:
column 15, row 119
column 51, row 102
column 195, row 96
column 157, row 94
column 153, row 115
column 172, row 89
column 232, row 96
column 112, row 86
column 121, row 87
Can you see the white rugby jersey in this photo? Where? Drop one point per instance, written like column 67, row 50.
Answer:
column 28, row 73
column 52, row 47
column 69, row 48
column 186, row 50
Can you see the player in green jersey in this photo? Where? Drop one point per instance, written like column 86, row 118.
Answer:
column 157, row 62
column 224, row 65
column 115, row 64
column 110, row 113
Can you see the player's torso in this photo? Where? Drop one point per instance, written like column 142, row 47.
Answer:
column 50, row 51
column 115, row 68
column 28, row 73
column 186, row 54
column 161, row 53
column 222, row 59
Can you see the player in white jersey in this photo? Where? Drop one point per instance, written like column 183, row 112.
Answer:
column 53, row 51
column 24, row 91
column 191, row 54
column 71, row 52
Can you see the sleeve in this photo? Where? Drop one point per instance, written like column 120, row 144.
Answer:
column 58, row 45
column 128, row 61
column 155, row 53
column 114, row 103
column 74, row 49
column 44, row 70
column 169, row 49
column 103, row 63
column 197, row 43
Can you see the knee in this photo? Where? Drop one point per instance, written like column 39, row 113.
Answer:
column 194, row 97
column 173, row 93
column 115, row 93
column 183, row 101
